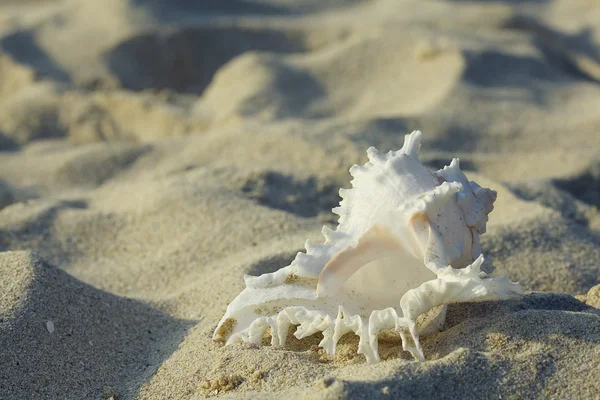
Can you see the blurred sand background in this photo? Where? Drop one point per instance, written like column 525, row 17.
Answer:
column 152, row 152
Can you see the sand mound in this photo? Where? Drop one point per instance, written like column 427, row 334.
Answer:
column 64, row 338
column 6, row 195
column 32, row 113
column 186, row 59
column 568, row 249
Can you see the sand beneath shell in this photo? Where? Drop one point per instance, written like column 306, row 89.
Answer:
column 154, row 152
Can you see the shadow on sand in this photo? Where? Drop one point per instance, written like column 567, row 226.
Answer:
column 100, row 343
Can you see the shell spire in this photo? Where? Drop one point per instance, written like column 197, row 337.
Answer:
column 407, row 241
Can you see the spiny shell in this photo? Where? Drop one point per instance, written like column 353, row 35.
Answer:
column 407, row 241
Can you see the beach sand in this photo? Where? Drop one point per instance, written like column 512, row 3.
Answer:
column 152, row 152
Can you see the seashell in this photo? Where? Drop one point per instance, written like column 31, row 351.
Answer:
column 407, row 241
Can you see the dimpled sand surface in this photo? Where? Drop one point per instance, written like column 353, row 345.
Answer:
column 152, row 152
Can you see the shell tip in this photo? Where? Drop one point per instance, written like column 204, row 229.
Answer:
column 412, row 144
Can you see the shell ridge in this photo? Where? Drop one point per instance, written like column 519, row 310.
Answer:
column 434, row 198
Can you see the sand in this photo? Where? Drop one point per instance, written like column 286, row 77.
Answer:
column 154, row 152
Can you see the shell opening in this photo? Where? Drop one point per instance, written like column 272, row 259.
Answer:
column 382, row 283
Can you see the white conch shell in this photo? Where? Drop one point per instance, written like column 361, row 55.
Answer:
column 368, row 275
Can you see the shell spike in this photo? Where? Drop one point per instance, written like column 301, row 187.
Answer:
column 257, row 330
column 357, row 170
column 364, row 346
column 412, row 144
column 312, row 247
column 453, row 173
column 380, row 320
column 475, row 266
column 374, row 156
column 282, row 327
column 328, row 233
